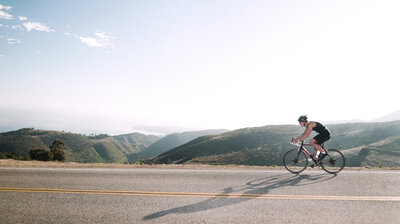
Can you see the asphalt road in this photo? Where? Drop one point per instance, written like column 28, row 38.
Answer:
column 64, row 195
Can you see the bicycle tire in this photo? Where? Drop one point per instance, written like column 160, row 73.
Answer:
column 334, row 162
column 295, row 161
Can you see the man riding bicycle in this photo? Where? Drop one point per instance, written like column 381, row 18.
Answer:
column 323, row 136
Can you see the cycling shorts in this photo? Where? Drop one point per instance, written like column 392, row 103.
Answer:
column 322, row 137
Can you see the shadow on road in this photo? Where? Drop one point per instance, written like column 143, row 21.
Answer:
column 259, row 186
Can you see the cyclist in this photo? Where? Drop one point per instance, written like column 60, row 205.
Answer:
column 323, row 135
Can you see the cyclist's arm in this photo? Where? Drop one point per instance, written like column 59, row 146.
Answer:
column 306, row 133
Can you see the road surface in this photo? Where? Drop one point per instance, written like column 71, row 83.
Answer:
column 68, row 195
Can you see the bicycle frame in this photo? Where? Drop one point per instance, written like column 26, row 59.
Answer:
column 302, row 148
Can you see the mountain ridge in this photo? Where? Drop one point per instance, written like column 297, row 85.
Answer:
column 266, row 145
column 78, row 148
column 173, row 140
column 364, row 144
column 101, row 148
column 394, row 116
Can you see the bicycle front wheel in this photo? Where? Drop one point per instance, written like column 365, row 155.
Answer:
column 334, row 162
column 295, row 161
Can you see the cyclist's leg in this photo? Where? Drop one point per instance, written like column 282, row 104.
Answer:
column 316, row 146
column 316, row 143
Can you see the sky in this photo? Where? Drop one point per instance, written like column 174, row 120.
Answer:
column 100, row 66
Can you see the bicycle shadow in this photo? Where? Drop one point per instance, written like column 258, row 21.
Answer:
column 259, row 186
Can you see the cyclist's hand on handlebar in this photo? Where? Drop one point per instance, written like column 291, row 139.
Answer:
column 294, row 141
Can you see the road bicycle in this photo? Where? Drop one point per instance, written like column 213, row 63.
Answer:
column 296, row 160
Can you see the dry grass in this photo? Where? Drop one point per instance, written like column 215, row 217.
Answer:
column 39, row 164
column 52, row 164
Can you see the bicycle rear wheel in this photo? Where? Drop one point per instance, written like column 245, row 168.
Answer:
column 334, row 162
column 295, row 161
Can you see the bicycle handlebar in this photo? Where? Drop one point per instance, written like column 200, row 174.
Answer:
column 297, row 144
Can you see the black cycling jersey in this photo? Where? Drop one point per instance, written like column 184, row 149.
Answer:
column 319, row 128
column 323, row 133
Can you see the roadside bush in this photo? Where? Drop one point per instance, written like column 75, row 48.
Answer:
column 3, row 156
column 41, row 155
column 13, row 155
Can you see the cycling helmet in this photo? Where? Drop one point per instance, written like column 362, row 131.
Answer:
column 302, row 118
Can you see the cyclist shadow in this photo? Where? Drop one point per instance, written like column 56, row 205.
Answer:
column 259, row 186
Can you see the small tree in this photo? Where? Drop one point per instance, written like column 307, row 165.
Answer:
column 56, row 150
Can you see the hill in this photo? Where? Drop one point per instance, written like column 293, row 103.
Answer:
column 364, row 144
column 78, row 148
column 390, row 117
column 173, row 140
column 394, row 116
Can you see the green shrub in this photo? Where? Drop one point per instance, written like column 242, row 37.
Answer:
column 41, row 155
column 3, row 156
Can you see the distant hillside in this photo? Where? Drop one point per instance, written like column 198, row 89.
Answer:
column 364, row 144
column 78, row 148
column 235, row 147
column 136, row 142
column 390, row 117
column 394, row 116
column 172, row 141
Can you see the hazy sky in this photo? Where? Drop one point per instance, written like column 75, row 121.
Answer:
column 108, row 66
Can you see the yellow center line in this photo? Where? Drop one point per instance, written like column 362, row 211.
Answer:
column 206, row 195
